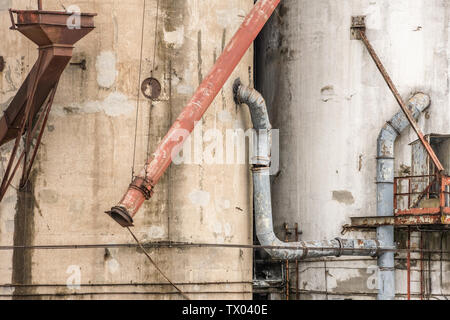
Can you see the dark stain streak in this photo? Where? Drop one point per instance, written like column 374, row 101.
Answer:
column 224, row 37
column 224, row 100
column 23, row 236
column 200, row 61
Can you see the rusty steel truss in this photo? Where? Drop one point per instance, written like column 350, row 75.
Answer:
column 28, row 112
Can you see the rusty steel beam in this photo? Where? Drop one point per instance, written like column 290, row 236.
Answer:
column 442, row 219
column 43, row 117
column 400, row 101
column 141, row 188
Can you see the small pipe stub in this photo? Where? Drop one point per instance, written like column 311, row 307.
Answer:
column 2, row 64
column 81, row 64
column 121, row 216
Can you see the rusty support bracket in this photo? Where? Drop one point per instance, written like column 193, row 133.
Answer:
column 13, row 23
column 81, row 64
column 358, row 24
column 359, row 28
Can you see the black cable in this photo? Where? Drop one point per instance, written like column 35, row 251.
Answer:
column 156, row 266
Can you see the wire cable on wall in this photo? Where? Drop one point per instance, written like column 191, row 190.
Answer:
column 138, row 92
column 156, row 266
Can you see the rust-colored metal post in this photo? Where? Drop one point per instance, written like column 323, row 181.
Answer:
column 442, row 181
column 395, row 193
column 409, row 264
column 141, row 188
column 422, row 288
column 40, row 5
column 403, row 106
column 409, row 192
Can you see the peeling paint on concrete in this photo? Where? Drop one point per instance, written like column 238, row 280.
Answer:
column 48, row 196
column 156, row 232
column 175, row 38
column 222, row 204
column 327, row 93
column 227, row 18
column 76, row 206
column 116, row 104
column 225, row 116
column 106, row 69
column 200, row 198
column 344, row 197
column 113, row 265
column 185, row 89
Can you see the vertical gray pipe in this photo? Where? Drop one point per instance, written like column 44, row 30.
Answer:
column 385, row 190
column 262, row 196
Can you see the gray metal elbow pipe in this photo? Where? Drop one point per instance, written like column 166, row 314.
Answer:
column 263, row 203
column 303, row 249
column 385, row 189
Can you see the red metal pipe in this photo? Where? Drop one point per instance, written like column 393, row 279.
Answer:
column 142, row 186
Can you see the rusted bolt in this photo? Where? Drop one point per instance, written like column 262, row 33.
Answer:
column 151, row 88
column 2, row 63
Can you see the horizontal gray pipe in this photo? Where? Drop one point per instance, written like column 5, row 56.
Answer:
column 262, row 197
column 385, row 189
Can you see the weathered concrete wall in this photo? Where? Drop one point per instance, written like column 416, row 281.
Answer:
column 86, row 159
column 329, row 102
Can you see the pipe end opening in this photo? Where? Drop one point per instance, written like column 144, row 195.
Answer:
column 121, row 216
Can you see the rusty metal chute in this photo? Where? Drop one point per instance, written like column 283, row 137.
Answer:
column 141, row 188
column 28, row 112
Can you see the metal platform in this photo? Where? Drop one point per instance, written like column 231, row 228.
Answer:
column 425, row 209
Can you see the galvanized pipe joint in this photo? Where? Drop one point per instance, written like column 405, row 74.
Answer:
column 385, row 189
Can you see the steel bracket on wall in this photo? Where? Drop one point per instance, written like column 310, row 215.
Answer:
column 358, row 24
column 359, row 30
column 27, row 114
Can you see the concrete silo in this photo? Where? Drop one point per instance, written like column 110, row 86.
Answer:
column 101, row 128
column 329, row 102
